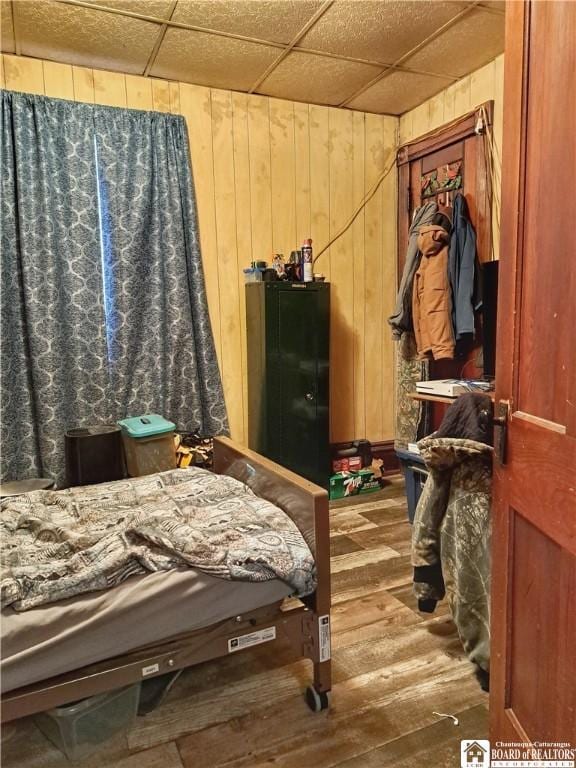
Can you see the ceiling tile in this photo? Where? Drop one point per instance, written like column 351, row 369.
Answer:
column 6, row 27
column 204, row 59
column 475, row 40
column 76, row 35
column 397, row 92
column 318, row 79
column 499, row 5
column 273, row 20
column 157, row 8
column 376, row 30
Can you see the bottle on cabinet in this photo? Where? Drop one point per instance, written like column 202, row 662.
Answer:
column 307, row 261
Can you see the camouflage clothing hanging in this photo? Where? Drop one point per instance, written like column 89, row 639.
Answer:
column 451, row 538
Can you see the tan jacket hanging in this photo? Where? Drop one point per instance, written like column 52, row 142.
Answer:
column 431, row 298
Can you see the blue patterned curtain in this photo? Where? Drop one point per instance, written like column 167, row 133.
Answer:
column 104, row 310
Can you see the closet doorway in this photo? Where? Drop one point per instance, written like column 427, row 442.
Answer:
column 454, row 158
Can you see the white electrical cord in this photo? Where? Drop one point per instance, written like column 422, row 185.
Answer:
column 452, row 717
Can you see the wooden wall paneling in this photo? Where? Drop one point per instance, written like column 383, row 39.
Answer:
column 139, row 92
column 174, row 89
column 358, row 231
column 302, row 171
column 405, row 127
column 58, row 82
column 436, row 111
column 449, row 103
column 21, row 74
column 285, row 163
column 222, row 135
column 83, row 80
column 482, row 85
column 462, row 99
column 342, row 277
column 243, row 223
column 420, row 120
column 389, row 276
column 373, row 291
column 109, row 88
column 2, row 79
column 320, row 186
column 161, row 95
column 260, row 178
column 282, row 176
column 195, row 106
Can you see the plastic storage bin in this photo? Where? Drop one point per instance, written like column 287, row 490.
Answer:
column 415, row 476
column 80, row 729
column 148, row 444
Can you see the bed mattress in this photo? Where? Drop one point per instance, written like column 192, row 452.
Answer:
column 43, row 642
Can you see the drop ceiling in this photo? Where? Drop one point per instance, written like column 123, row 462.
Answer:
column 384, row 56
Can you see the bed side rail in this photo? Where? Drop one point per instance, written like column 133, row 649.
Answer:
column 304, row 502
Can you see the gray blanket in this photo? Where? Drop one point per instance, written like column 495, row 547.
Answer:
column 57, row 544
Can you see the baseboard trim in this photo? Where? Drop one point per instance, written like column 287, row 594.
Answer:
column 383, row 450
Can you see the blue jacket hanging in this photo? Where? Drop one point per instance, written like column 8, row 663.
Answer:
column 466, row 296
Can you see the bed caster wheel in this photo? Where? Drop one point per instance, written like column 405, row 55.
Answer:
column 316, row 701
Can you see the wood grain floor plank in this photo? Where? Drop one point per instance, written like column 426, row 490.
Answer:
column 379, row 606
column 386, row 515
column 377, row 707
column 365, row 557
column 386, row 574
column 343, row 545
column 435, row 745
column 391, row 493
column 405, row 594
column 188, row 711
column 345, row 520
column 396, row 537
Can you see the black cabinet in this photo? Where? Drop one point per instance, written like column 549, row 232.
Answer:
column 288, row 375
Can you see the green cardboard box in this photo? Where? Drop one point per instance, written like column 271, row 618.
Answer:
column 344, row 484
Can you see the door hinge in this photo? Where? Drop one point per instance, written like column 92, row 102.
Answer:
column 501, row 430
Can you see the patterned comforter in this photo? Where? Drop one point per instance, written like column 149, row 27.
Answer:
column 58, row 544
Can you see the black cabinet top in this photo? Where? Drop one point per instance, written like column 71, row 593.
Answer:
column 287, row 285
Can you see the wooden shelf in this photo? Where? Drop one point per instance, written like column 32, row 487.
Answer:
column 445, row 400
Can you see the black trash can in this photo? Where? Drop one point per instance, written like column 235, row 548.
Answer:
column 94, row 454
column 415, row 476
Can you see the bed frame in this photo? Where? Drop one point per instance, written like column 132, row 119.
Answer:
column 306, row 624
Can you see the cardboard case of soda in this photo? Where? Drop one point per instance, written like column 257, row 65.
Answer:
column 348, row 483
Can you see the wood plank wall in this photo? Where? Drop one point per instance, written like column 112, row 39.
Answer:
column 267, row 174
column 485, row 84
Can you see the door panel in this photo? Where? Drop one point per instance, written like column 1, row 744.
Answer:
column 543, row 620
column 546, row 354
column 534, row 508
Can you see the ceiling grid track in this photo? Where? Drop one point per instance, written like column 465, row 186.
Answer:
column 397, row 64
column 306, row 28
column 365, row 60
column 159, row 41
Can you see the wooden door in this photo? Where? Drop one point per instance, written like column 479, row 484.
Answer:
column 533, row 674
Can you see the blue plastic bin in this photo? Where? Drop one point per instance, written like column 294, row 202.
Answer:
column 415, row 476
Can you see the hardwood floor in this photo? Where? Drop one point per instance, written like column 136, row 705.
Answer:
column 394, row 669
